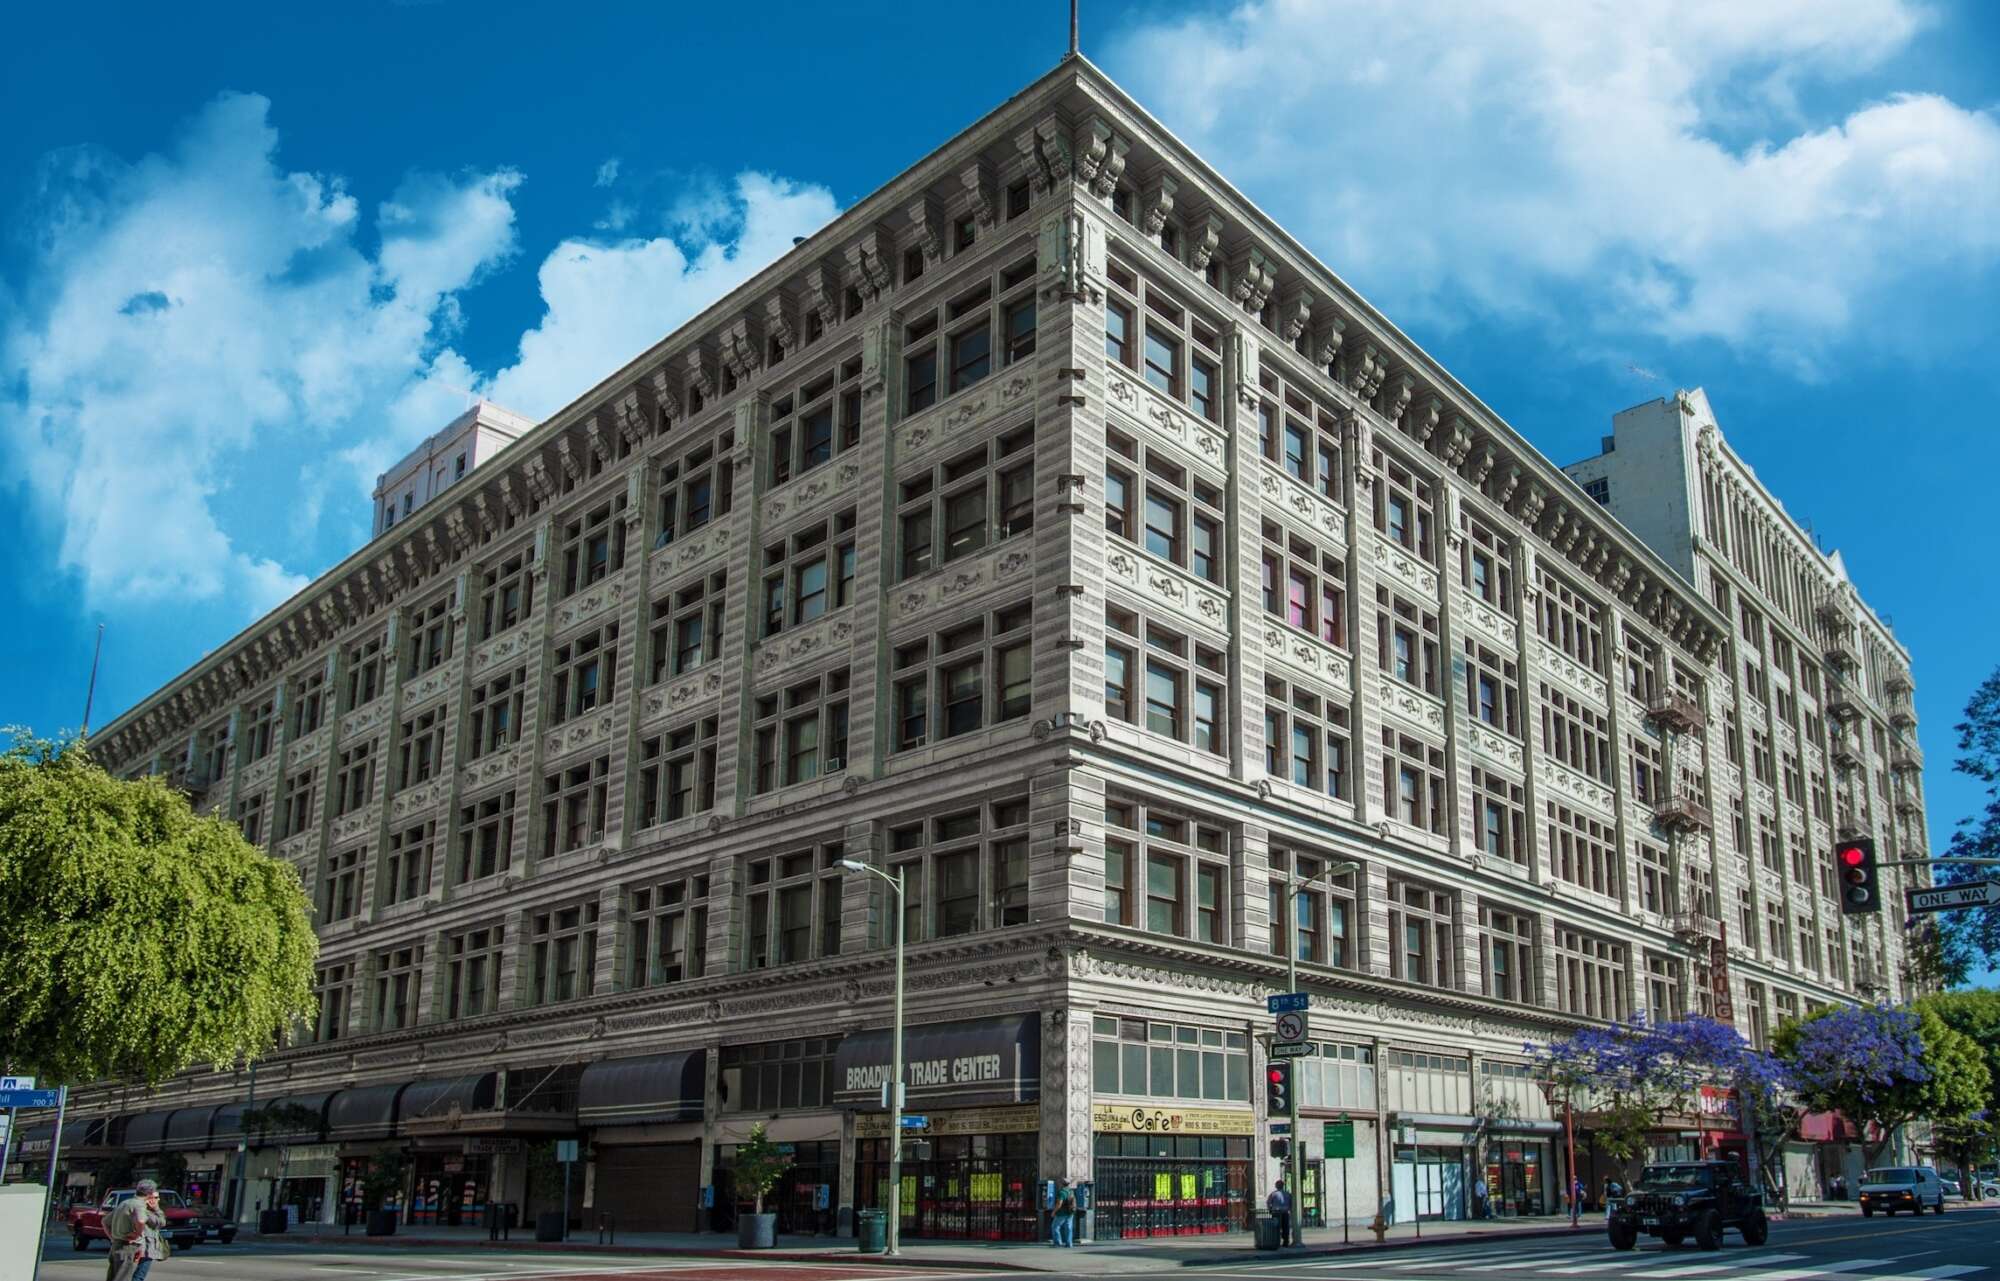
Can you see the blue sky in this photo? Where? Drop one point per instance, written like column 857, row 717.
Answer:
column 248, row 254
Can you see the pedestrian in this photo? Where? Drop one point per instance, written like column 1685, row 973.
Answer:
column 1614, row 1191
column 133, row 1231
column 1279, row 1203
column 1480, row 1206
column 1062, row 1223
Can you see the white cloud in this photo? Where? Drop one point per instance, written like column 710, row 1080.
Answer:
column 608, row 301
column 1652, row 156
column 607, row 173
column 204, row 315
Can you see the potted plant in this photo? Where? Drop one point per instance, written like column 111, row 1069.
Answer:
column 383, row 1182
column 756, row 1170
column 545, row 1179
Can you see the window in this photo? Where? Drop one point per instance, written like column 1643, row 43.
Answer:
column 1180, row 518
column 1777, row 931
column 963, row 871
column 1663, row 989
column 563, row 945
column 677, row 773
column 1413, row 789
column 307, row 693
column 687, row 627
column 296, row 814
column 778, row 1076
column 507, row 593
column 1403, row 507
column 1649, row 780
column 959, row 333
column 430, row 635
column 593, row 545
column 260, row 725
column 1406, row 641
column 962, row 505
column 1420, row 935
column 1182, row 865
column 1570, row 622
column 801, row 732
column 1656, row 882
column 785, row 896
column 1590, row 974
column 697, row 489
column 354, row 778
column 1575, row 735
column 810, row 422
column 406, row 869
column 1510, row 953
column 1500, row 813
column 421, row 753
column 1018, row 197
column 1169, row 1061
column 1487, row 568
column 574, row 804
column 1640, row 666
column 966, row 678
column 250, row 817
column 1182, row 685
column 333, row 994
column 1305, row 586
column 810, row 573
column 1306, row 739
column 485, row 837
column 1492, row 688
column 1175, row 349
column 340, row 895
column 367, row 672
column 472, row 971
column 1582, row 850
column 399, row 982
column 1300, row 434
column 585, row 670
column 496, row 712
column 669, row 924
column 1318, row 916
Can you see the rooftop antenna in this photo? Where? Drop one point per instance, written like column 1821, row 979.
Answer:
column 90, row 692
column 1072, row 29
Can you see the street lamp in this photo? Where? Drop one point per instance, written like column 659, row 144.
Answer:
column 1298, row 884
column 894, row 1090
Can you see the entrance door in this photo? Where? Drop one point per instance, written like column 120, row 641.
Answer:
column 650, row 1187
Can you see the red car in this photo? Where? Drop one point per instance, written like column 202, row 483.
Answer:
column 184, row 1227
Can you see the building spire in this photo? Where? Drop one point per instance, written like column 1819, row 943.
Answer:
column 1072, row 29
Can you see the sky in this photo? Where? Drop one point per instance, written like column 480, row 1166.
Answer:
column 249, row 255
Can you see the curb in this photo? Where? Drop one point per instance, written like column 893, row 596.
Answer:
column 842, row 1258
column 1400, row 1243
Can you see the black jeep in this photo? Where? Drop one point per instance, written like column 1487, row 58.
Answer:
column 1699, row 1199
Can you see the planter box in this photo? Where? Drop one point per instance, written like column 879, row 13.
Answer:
column 549, row 1225
column 756, row 1231
column 382, row 1223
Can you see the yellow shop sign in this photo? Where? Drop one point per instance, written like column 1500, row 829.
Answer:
column 1117, row 1118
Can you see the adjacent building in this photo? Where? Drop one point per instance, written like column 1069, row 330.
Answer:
column 444, row 459
column 1053, row 532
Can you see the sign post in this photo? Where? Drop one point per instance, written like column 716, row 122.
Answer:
column 566, row 1153
column 1339, row 1143
column 55, row 1150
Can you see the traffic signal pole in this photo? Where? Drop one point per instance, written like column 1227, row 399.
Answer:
column 1292, row 1091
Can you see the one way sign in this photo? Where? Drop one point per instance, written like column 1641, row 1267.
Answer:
column 1947, row 897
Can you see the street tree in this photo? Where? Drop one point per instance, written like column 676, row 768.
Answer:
column 140, row 938
column 1970, row 935
column 1975, row 1014
column 1883, row 1067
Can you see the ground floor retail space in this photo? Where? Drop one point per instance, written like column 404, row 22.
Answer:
column 968, row 1174
column 1170, row 1171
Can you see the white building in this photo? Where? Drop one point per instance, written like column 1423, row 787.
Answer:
column 445, row 459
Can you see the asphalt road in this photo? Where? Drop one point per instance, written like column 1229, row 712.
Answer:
column 245, row 1261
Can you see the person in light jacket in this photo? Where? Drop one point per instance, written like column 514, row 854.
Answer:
column 133, row 1230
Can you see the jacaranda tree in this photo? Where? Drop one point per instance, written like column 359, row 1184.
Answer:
column 139, row 938
column 1883, row 1067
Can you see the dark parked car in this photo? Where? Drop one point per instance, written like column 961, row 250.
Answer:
column 1699, row 1199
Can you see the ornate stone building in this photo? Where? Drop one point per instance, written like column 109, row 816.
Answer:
column 1053, row 530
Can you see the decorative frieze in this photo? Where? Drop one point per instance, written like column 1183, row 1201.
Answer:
column 1413, row 573
column 949, row 420
column 1418, row 708
column 1295, row 649
column 811, row 490
column 494, row 767
column 256, row 774
column 1160, row 582
column 578, row 734
column 1494, row 746
column 296, row 849
column 1282, row 492
column 671, row 699
column 498, row 650
column 433, row 683
column 307, row 749
column 1554, row 662
column 1574, row 786
column 422, row 797
column 356, row 823
column 802, row 643
column 589, row 603
column 952, row 585
column 1144, row 405
column 1489, row 620
column 694, row 551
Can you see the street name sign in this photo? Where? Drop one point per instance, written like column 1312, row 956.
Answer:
column 1286, row 1002
column 1339, row 1140
column 1946, row 897
column 29, row 1098
column 916, row 1122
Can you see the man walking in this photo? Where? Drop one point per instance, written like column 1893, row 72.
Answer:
column 1062, row 1222
column 1481, row 1207
column 133, row 1231
column 1279, row 1203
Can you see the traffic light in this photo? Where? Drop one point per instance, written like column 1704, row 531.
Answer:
column 1860, row 880
column 1278, row 1088
column 1281, row 1148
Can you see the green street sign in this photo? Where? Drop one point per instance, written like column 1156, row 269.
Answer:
column 1339, row 1140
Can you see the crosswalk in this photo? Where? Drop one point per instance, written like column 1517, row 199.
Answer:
column 1597, row 1263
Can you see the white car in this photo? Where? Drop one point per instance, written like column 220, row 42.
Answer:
column 1915, row 1188
column 1989, row 1188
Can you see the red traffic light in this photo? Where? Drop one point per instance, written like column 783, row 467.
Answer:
column 1853, row 855
column 1276, row 1074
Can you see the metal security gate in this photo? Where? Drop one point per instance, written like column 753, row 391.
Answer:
column 649, row 1188
column 1201, row 1187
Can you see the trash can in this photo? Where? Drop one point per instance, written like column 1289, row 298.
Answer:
column 872, row 1231
column 1267, row 1232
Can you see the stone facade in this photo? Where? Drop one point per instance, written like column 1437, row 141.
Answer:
column 1054, row 529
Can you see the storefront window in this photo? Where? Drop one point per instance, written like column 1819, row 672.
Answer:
column 449, row 1189
column 977, row 1187
column 1429, row 1183
column 803, row 1199
column 1514, row 1177
column 1155, row 1185
column 778, row 1076
column 1169, row 1061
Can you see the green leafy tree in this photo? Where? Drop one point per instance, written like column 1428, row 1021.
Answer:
column 140, row 939
column 758, row 1166
column 1965, row 937
column 1883, row 1066
column 1975, row 1015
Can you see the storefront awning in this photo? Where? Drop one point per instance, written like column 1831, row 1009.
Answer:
column 147, row 1132
column 188, row 1129
column 648, row 1090
column 1538, row 1128
column 313, row 1103
column 440, row 1099
column 363, row 1113
column 964, row 1064
column 227, row 1127
column 34, row 1140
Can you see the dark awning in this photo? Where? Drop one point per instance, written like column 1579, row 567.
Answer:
column 962, row 1064
column 188, row 1129
column 33, row 1140
column 365, row 1112
column 649, row 1089
column 313, row 1103
column 147, row 1132
column 436, row 1100
column 227, row 1127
